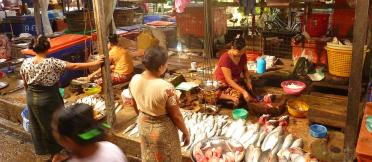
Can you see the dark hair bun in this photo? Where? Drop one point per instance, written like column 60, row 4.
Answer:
column 239, row 43
column 154, row 58
column 114, row 39
column 40, row 44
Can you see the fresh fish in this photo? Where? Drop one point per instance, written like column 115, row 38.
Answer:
column 192, row 140
column 180, row 137
column 238, row 156
column 246, row 136
column 286, row 144
column 249, row 154
column 278, row 146
column 292, row 152
column 272, row 139
column 213, row 132
column 252, row 140
column 134, row 131
column 297, row 143
column 225, row 129
column 238, row 133
column 204, row 117
column 231, row 129
column 262, row 120
column 256, row 154
column 129, row 128
column 286, row 154
column 261, row 138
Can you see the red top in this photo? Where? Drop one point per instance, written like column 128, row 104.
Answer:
column 227, row 62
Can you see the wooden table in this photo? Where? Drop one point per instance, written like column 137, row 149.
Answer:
column 364, row 145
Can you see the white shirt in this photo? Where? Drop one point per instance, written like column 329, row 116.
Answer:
column 107, row 152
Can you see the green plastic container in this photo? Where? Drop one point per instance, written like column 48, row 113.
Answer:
column 240, row 114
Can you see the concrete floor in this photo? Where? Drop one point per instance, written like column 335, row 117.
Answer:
column 15, row 149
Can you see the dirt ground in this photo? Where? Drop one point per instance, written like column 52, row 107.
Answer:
column 14, row 149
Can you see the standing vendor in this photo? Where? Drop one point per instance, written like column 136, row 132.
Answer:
column 233, row 74
column 121, row 63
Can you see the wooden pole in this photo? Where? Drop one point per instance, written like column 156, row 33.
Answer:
column 355, row 87
column 37, row 15
column 208, row 29
column 101, row 28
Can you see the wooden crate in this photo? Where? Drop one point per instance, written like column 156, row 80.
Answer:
column 329, row 111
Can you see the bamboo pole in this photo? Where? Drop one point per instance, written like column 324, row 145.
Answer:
column 101, row 26
column 208, row 30
column 355, row 81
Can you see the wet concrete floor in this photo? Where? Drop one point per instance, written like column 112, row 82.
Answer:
column 15, row 149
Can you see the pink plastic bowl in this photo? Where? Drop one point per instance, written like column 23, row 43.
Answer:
column 293, row 91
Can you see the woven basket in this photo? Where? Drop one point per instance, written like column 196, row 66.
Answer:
column 76, row 21
column 124, row 17
column 339, row 59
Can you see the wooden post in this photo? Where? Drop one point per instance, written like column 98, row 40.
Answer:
column 37, row 16
column 101, row 28
column 355, row 87
column 208, row 28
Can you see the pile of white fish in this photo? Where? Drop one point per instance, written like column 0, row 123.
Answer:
column 263, row 141
column 98, row 104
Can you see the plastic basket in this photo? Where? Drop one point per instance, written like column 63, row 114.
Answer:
column 25, row 120
column 339, row 60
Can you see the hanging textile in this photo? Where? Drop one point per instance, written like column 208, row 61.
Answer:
column 109, row 8
column 180, row 5
column 44, row 17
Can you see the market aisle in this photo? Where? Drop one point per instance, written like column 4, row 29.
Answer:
column 14, row 149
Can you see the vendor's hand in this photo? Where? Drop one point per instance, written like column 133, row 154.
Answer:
column 59, row 158
column 89, row 77
column 186, row 139
column 249, row 85
column 235, row 100
column 100, row 60
column 247, row 97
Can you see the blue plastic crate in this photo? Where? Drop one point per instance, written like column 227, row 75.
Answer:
column 20, row 24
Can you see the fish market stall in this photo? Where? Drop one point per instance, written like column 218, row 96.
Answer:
column 126, row 132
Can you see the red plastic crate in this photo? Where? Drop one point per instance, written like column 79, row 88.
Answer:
column 317, row 24
column 364, row 144
column 312, row 49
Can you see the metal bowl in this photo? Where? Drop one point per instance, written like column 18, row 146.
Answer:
column 225, row 143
